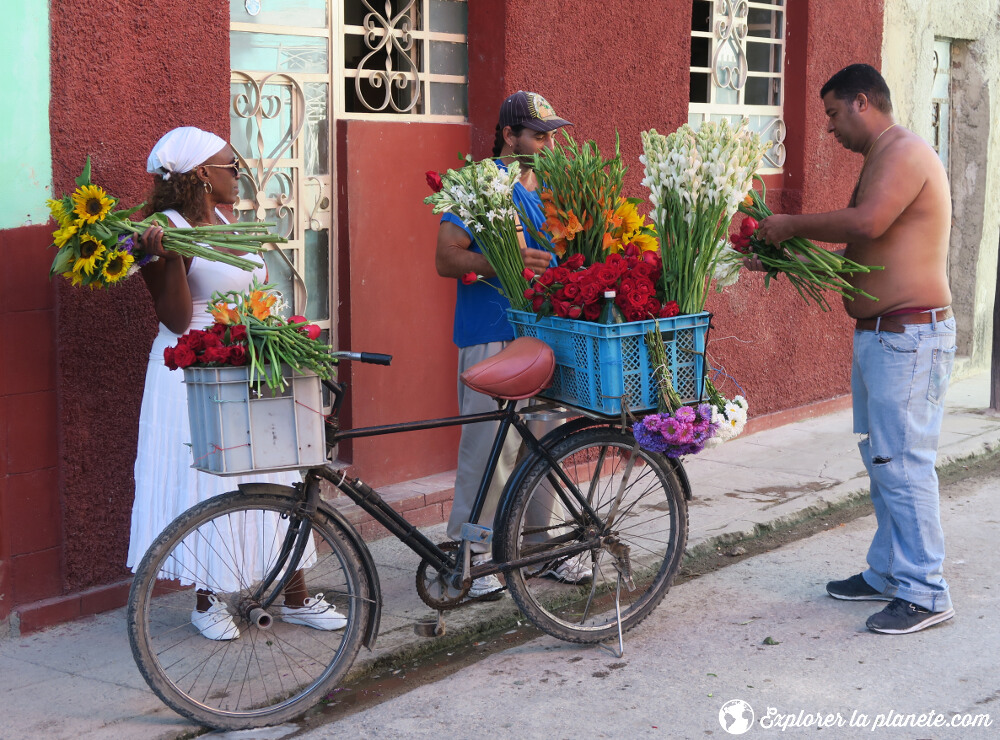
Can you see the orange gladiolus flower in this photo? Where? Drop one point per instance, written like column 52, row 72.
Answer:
column 573, row 226
column 260, row 304
column 223, row 314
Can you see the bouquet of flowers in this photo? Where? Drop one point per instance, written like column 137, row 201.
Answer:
column 573, row 291
column 697, row 180
column 580, row 192
column 96, row 246
column 676, row 429
column 481, row 195
column 249, row 330
column 810, row 269
column 729, row 416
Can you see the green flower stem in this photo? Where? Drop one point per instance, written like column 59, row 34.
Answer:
column 809, row 268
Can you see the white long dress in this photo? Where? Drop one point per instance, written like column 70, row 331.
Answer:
column 165, row 483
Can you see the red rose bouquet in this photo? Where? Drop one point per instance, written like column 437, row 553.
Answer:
column 575, row 291
column 249, row 330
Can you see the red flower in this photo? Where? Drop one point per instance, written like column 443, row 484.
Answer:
column 212, row 340
column 312, row 331
column 574, row 263
column 574, row 312
column 589, row 293
column 528, row 274
column 218, row 329
column 168, row 358
column 218, row 354
column 434, row 180
column 193, row 340
column 184, row 356
column 547, row 277
column 537, row 302
column 296, row 319
column 748, row 226
column 608, row 275
column 592, row 311
column 571, row 291
column 469, row 278
column 237, row 333
column 238, row 355
column 670, row 308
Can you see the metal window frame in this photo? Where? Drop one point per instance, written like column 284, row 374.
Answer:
column 729, row 31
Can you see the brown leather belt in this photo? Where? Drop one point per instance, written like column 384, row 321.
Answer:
column 898, row 322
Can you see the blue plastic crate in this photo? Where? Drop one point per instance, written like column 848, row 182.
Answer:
column 599, row 364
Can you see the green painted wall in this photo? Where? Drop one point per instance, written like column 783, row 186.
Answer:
column 25, row 151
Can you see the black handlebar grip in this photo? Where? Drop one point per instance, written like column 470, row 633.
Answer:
column 376, row 358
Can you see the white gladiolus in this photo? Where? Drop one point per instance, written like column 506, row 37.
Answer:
column 696, row 181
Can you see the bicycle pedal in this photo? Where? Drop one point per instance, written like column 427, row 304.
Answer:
column 477, row 533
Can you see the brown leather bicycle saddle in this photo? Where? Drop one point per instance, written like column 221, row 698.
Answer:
column 519, row 370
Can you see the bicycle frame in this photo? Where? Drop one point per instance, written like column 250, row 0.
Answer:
column 508, row 416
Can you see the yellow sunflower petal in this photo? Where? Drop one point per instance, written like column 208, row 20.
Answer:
column 116, row 266
column 91, row 203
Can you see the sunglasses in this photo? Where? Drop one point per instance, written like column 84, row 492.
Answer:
column 233, row 166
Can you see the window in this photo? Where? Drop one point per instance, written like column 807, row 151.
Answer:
column 383, row 57
column 737, row 61
column 941, row 98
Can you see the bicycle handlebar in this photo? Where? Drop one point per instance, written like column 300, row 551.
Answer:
column 373, row 358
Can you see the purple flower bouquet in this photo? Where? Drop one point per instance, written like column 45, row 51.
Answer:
column 684, row 432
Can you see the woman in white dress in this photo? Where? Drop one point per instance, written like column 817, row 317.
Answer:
column 195, row 172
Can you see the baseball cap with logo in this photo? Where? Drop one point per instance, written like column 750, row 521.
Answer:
column 530, row 110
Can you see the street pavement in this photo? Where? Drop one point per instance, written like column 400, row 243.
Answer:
column 761, row 633
column 701, row 648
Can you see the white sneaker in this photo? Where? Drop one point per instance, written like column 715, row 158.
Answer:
column 485, row 584
column 577, row 569
column 216, row 623
column 316, row 613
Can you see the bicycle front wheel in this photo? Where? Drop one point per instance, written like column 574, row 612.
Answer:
column 641, row 528
column 273, row 670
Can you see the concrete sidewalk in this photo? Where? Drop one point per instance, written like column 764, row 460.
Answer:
column 78, row 680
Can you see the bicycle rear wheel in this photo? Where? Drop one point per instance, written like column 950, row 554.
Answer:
column 267, row 675
column 642, row 520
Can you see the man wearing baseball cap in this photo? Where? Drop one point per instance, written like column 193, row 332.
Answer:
column 527, row 124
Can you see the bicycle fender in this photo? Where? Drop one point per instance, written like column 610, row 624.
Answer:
column 682, row 476
column 375, row 614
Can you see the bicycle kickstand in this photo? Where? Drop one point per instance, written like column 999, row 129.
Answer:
column 618, row 621
column 430, row 627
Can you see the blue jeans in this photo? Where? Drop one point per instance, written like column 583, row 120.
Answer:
column 898, row 381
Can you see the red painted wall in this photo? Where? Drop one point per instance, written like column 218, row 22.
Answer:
column 784, row 353
column 159, row 65
column 392, row 299
column 30, row 518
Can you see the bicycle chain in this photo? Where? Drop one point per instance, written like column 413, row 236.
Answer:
column 447, row 602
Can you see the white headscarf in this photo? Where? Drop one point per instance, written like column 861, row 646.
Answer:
column 181, row 150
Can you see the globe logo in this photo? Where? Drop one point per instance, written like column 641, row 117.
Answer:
column 736, row 717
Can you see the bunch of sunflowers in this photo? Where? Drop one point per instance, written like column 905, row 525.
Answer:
column 98, row 246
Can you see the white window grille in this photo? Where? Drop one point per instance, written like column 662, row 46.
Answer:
column 383, row 58
column 941, row 99
column 737, row 68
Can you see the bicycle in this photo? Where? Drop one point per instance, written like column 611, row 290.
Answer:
column 585, row 489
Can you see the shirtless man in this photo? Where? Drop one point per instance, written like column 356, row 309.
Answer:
column 904, row 343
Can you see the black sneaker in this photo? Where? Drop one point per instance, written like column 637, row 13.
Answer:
column 855, row 588
column 901, row 617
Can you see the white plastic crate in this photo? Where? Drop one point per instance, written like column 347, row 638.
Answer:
column 235, row 431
